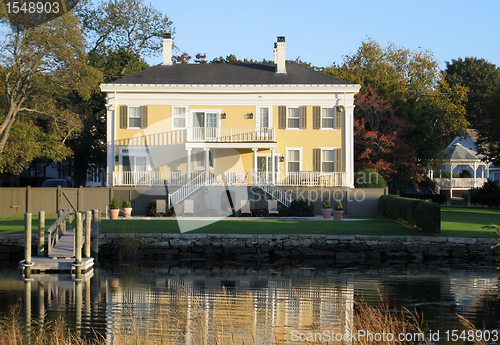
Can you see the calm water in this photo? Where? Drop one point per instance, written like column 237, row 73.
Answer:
column 191, row 306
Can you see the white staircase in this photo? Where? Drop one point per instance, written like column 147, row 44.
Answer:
column 186, row 190
column 270, row 188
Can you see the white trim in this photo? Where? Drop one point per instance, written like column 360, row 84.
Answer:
column 300, row 149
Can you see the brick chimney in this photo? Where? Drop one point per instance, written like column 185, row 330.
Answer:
column 167, row 49
column 280, row 54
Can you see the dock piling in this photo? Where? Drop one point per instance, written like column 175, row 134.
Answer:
column 27, row 248
column 88, row 222
column 78, row 239
column 41, row 233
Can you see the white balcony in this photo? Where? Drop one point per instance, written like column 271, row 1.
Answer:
column 230, row 134
column 230, row 178
column 464, row 183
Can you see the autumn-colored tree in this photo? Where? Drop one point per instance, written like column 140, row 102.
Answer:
column 413, row 82
column 378, row 142
column 183, row 58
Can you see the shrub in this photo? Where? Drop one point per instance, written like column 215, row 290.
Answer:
column 126, row 203
column 487, row 195
column 326, row 204
column 298, row 208
column 439, row 198
column 338, row 206
column 369, row 178
column 419, row 213
column 114, row 204
column 151, row 208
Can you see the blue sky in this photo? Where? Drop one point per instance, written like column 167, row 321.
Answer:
column 322, row 32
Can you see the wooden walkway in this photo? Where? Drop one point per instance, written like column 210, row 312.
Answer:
column 65, row 247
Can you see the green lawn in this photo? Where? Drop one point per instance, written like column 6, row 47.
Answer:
column 375, row 227
column 455, row 222
column 468, row 222
column 14, row 224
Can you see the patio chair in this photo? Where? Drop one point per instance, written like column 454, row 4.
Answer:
column 188, row 207
column 272, row 208
column 245, row 208
column 161, row 207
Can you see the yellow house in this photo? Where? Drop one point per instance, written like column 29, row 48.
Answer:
column 267, row 125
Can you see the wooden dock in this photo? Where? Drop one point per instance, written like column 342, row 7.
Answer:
column 64, row 245
column 53, row 265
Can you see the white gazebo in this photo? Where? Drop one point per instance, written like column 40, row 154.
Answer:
column 458, row 156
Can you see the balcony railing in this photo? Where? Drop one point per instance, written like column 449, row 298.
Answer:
column 231, row 178
column 230, row 134
column 460, row 182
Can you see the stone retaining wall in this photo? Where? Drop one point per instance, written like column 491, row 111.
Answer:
column 369, row 250
column 343, row 250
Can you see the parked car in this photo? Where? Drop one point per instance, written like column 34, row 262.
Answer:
column 55, row 182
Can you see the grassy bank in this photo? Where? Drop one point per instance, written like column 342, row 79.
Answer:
column 455, row 222
column 468, row 222
column 374, row 226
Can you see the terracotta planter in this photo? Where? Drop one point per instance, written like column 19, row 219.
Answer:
column 337, row 215
column 113, row 214
column 127, row 212
column 327, row 212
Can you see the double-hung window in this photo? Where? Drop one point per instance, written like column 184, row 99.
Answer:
column 328, row 118
column 328, row 160
column 293, row 160
column 134, row 117
column 179, row 117
column 293, row 119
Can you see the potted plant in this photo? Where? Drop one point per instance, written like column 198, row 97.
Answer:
column 339, row 210
column 327, row 209
column 114, row 208
column 127, row 208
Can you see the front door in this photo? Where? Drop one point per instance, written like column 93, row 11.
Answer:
column 264, row 166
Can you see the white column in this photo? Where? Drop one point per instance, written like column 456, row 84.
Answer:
column 475, row 174
column 111, row 120
column 188, row 165
column 254, row 163
column 348, row 144
column 273, row 166
column 207, row 162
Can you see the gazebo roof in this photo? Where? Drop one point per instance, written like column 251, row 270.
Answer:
column 458, row 152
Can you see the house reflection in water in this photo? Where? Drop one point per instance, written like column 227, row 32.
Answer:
column 197, row 311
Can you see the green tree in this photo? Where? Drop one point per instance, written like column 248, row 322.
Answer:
column 489, row 133
column 480, row 77
column 42, row 66
column 128, row 25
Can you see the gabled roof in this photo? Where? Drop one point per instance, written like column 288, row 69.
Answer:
column 228, row 74
column 458, row 152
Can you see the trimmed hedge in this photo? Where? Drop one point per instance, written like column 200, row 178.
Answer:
column 419, row 213
column 439, row 198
